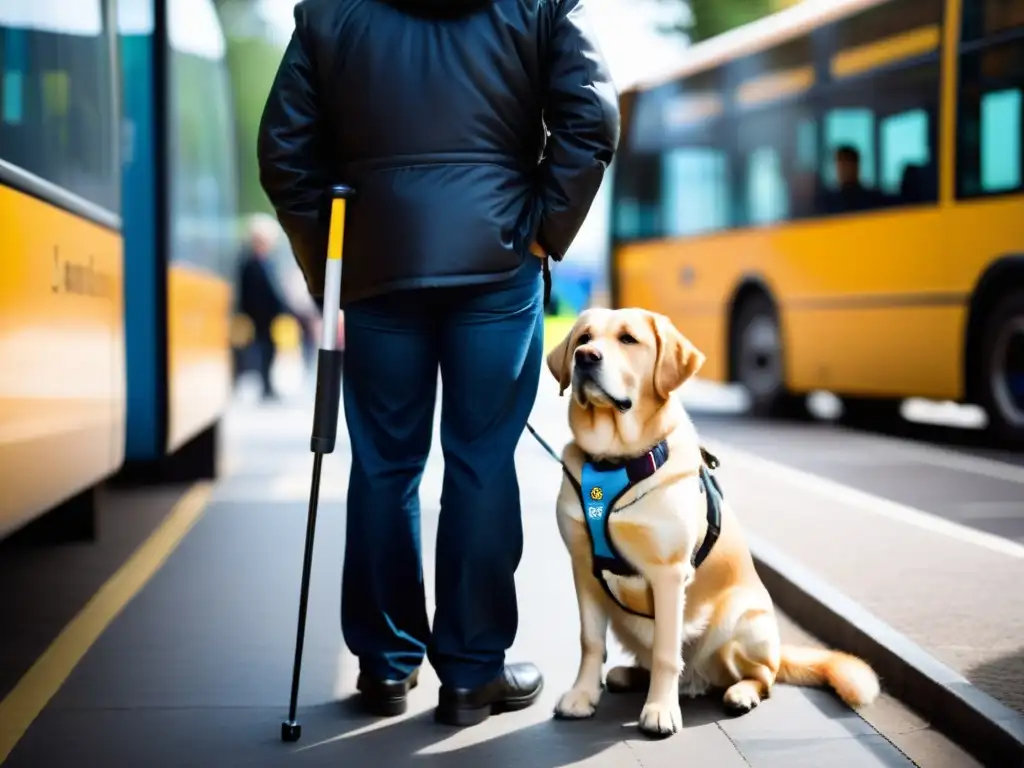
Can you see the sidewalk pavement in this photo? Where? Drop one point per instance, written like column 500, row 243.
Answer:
column 195, row 671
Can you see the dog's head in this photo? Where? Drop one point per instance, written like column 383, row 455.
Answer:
column 623, row 360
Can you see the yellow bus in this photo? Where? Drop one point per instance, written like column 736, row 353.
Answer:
column 62, row 365
column 117, row 207
column 832, row 198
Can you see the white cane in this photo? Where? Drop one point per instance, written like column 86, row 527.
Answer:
column 325, row 423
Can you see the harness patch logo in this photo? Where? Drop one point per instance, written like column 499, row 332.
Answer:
column 596, row 494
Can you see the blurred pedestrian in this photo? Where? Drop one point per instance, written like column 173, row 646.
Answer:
column 476, row 134
column 259, row 294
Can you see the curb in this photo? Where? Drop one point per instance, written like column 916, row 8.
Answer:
column 983, row 726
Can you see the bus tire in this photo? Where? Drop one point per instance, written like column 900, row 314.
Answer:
column 757, row 359
column 1000, row 385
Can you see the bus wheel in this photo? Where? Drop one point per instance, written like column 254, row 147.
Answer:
column 758, row 359
column 1002, row 369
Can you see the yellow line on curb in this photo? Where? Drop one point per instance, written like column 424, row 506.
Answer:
column 42, row 681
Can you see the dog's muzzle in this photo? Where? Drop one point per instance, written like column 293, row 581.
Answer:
column 585, row 372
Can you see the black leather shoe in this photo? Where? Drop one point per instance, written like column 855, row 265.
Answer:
column 517, row 687
column 386, row 698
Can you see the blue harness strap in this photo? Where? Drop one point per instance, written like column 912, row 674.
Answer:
column 599, row 490
column 603, row 484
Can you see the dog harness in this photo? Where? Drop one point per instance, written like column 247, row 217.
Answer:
column 602, row 485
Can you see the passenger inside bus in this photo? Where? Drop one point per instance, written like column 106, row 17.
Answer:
column 851, row 194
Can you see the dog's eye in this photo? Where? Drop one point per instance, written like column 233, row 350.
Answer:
column 627, row 339
column 583, row 339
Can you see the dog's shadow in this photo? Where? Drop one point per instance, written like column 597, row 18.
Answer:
column 337, row 734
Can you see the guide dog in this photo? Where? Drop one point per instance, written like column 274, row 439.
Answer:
column 674, row 577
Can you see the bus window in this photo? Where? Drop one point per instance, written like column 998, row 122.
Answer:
column 889, row 121
column 905, row 151
column 807, row 145
column 767, row 192
column 695, row 191
column 776, row 133
column 694, row 171
column 15, row 61
column 850, row 128
column 881, row 106
column 989, row 156
column 776, row 151
column 1000, row 140
column 56, row 97
column 636, row 174
column 990, row 143
column 637, row 180
column 673, row 174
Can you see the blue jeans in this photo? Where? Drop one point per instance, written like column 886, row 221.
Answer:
column 487, row 343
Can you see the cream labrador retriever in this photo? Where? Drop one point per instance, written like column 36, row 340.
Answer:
column 686, row 603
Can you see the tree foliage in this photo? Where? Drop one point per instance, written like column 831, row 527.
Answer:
column 713, row 17
column 702, row 19
column 253, row 56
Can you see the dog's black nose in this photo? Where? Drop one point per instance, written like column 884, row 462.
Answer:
column 587, row 358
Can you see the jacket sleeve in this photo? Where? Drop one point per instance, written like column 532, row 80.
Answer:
column 292, row 162
column 581, row 112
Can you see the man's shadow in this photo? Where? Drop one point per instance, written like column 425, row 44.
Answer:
column 337, row 734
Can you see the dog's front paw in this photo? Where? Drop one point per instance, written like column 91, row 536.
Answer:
column 577, row 704
column 659, row 719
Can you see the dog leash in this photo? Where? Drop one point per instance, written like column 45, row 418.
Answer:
column 544, row 444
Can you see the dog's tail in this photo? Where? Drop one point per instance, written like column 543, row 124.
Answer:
column 852, row 679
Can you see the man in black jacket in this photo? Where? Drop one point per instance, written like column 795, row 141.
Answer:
column 435, row 112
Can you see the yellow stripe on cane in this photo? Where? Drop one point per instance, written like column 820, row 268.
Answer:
column 337, row 232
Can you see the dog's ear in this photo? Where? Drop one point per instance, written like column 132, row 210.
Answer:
column 678, row 359
column 558, row 362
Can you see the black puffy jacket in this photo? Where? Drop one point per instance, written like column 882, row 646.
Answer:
column 434, row 110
